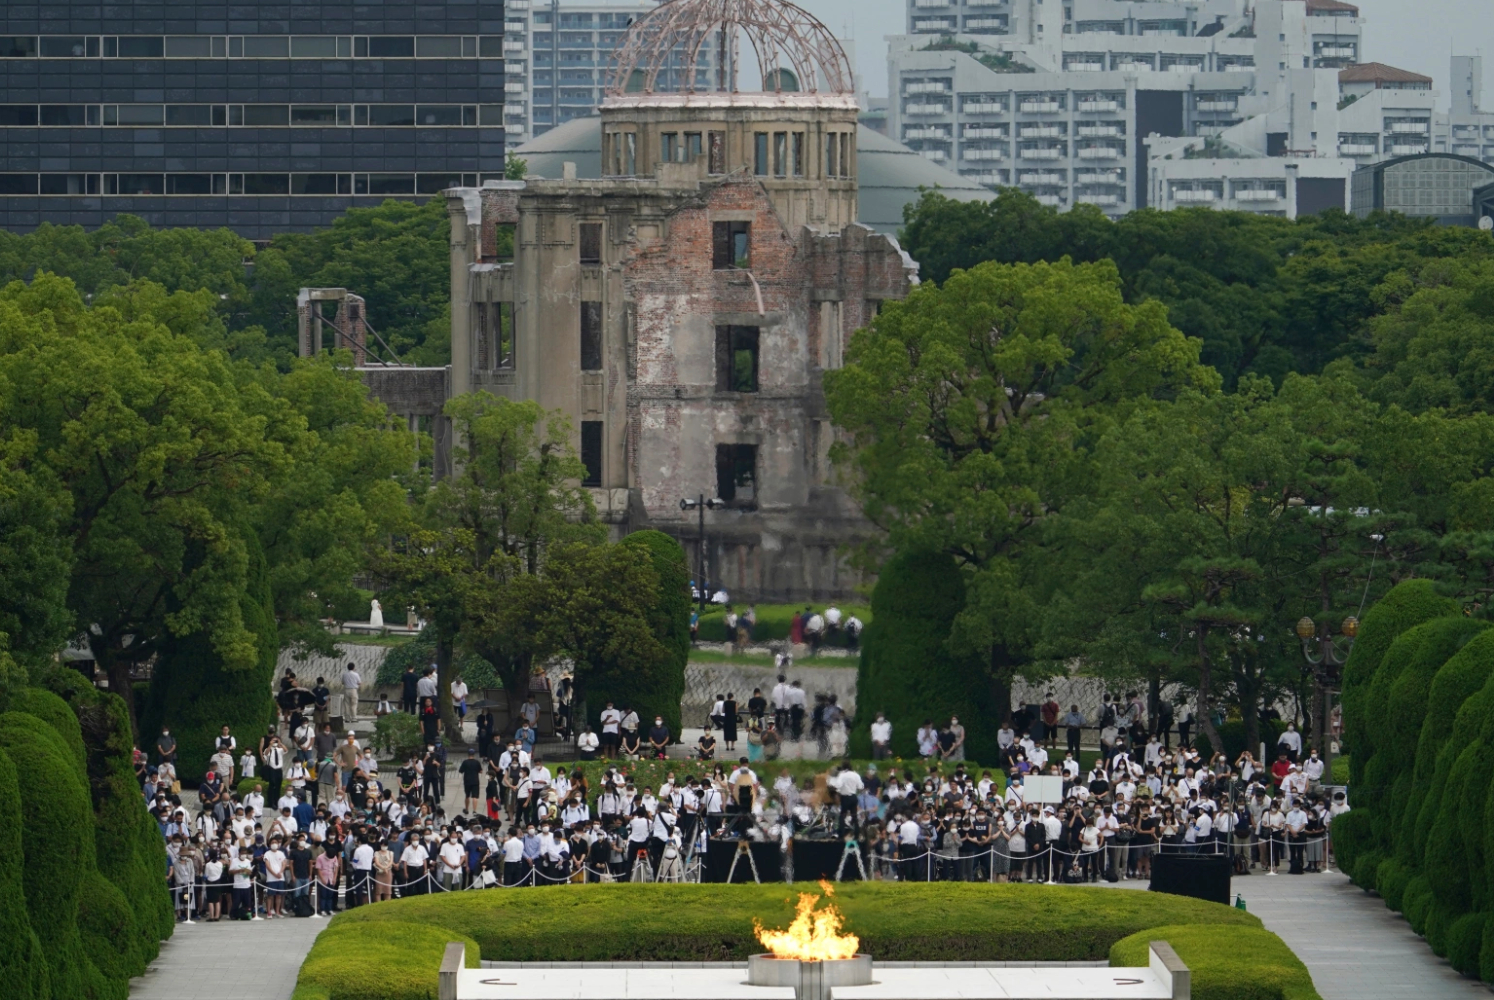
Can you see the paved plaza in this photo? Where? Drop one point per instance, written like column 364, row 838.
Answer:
column 229, row 960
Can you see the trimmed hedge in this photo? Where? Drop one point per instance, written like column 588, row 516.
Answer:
column 23, row 965
column 57, row 845
column 391, row 951
column 906, row 670
column 1227, row 963
column 1407, row 605
column 1351, row 839
column 400, row 962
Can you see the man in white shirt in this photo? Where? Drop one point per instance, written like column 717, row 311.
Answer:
column 514, row 869
column 797, row 701
column 848, row 785
column 611, row 731
column 881, row 738
column 587, row 744
column 781, row 701
column 412, row 863
column 275, row 866
column 351, row 682
column 1296, row 823
column 453, row 861
column 1312, row 770
column 1291, row 741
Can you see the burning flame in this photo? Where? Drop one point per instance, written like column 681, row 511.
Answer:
column 814, row 935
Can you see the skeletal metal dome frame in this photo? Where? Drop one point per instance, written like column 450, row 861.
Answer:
column 782, row 36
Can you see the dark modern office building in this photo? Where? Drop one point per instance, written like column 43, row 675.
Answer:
column 261, row 117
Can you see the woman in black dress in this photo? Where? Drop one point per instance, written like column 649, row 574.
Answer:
column 729, row 723
column 430, row 718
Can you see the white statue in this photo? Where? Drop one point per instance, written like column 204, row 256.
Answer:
column 375, row 614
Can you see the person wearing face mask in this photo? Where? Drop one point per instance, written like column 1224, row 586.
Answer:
column 452, row 862
column 658, row 739
column 412, row 862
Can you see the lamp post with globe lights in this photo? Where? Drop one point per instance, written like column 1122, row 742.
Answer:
column 1326, row 652
column 700, row 503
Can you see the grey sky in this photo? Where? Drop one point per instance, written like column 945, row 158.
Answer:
column 1417, row 35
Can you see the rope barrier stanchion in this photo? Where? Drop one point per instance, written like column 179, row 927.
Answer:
column 254, row 899
column 191, row 891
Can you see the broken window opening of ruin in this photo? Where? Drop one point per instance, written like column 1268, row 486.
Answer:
column 736, row 358
column 730, row 245
column 591, row 452
column 591, row 336
column 736, row 474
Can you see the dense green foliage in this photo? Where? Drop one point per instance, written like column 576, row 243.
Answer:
column 1420, row 832
column 895, row 921
column 83, row 897
column 395, row 255
column 1262, row 295
column 907, row 670
column 660, row 693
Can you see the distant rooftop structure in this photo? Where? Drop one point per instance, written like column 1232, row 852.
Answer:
column 1331, row 8
column 1382, row 76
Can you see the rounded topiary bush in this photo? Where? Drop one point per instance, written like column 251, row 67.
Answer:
column 58, row 714
column 1417, row 903
column 1465, row 942
column 23, row 966
column 106, row 925
column 1407, row 605
column 1367, row 869
column 1440, row 917
column 906, row 670
column 1391, row 879
column 57, row 845
column 1350, row 834
column 400, row 962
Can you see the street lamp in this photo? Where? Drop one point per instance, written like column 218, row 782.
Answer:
column 1326, row 652
column 700, row 503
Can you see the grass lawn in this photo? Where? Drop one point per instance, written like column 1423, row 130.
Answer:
column 895, row 921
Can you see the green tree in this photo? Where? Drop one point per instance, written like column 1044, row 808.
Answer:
column 164, row 454
column 971, row 409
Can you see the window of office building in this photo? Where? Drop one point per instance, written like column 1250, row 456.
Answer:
column 736, row 358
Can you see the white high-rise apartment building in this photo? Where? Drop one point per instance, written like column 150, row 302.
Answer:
column 558, row 57
column 1261, row 105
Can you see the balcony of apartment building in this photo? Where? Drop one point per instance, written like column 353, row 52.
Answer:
column 939, row 152
column 1097, row 175
column 1099, row 27
column 934, row 4
column 1099, row 130
column 983, row 104
column 1052, row 197
column 925, row 86
column 1358, row 144
column 990, row 178
column 987, row 3
column 1407, row 137
column 1175, row 62
column 1254, row 194
column 1101, row 151
column 512, row 44
column 983, row 152
column 1212, row 103
column 1133, row 62
column 1040, row 104
column 1099, row 197
column 922, row 107
column 1171, row 27
column 1226, row 62
column 982, row 130
column 1196, row 192
column 935, row 25
column 1045, row 130
column 986, row 24
column 1333, row 53
column 1043, row 151
column 1097, row 104
column 917, row 133
column 1084, row 62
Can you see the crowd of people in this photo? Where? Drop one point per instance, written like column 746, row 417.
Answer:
column 806, row 628
column 301, row 820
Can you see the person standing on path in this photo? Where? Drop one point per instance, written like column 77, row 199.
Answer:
column 351, row 682
column 881, row 737
column 729, row 722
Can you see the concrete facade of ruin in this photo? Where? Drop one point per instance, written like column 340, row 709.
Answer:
column 681, row 311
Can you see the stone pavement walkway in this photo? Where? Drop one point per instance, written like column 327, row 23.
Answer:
column 1355, row 948
column 229, row 960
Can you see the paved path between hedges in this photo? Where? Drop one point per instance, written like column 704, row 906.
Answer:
column 1355, row 948
column 229, row 960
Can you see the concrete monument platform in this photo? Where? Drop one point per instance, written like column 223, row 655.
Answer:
column 1166, row 978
